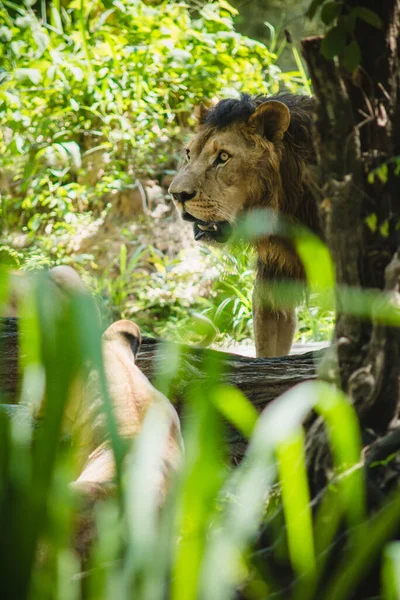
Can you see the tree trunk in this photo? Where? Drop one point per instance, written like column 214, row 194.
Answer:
column 358, row 130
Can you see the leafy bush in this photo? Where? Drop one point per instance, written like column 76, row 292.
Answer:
column 94, row 98
column 196, row 297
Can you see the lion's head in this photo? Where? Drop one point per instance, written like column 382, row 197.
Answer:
column 248, row 153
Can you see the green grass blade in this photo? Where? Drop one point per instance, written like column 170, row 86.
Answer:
column 236, row 408
column 345, row 443
column 88, row 333
column 146, row 562
column 29, row 339
column 203, row 476
column 355, row 564
column 299, row 63
column 296, row 506
column 60, row 355
column 391, row 571
column 4, row 285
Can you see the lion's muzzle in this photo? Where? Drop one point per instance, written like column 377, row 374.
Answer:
column 183, row 197
column 182, row 190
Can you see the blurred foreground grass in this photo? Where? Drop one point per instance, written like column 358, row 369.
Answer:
column 204, row 543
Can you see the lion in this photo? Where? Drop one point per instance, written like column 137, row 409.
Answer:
column 255, row 153
column 132, row 397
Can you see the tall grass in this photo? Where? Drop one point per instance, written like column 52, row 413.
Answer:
column 203, row 544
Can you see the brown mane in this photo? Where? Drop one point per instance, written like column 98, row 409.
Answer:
column 296, row 156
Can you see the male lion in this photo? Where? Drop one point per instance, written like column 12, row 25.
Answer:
column 254, row 153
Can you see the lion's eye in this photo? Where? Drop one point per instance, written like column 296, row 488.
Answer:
column 223, row 156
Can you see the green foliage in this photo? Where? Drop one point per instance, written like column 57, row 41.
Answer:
column 200, row 299
column 339, row 40
column 381, row 172
column 94, row 96
column 99, row 97
column 390, row 571
column 231, row 293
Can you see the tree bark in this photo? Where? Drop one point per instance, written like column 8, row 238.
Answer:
column 358, row 130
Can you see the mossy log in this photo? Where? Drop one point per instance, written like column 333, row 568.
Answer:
column 260, row 379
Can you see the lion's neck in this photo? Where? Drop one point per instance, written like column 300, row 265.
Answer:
column 277, row 259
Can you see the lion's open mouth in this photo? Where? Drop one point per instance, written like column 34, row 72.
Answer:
column 217, row 231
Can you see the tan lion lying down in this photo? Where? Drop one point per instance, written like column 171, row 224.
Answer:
column 131, row 394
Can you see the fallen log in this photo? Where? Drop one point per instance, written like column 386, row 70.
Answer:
column 260, row 379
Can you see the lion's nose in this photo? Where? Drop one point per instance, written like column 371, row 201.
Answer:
column 183, row 196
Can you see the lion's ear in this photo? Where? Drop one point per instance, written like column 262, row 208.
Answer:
column 125, row 331
column 271, row 119
column 200, row 110
column 200, row 113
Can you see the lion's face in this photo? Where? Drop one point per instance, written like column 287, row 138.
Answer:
column 224, row 173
